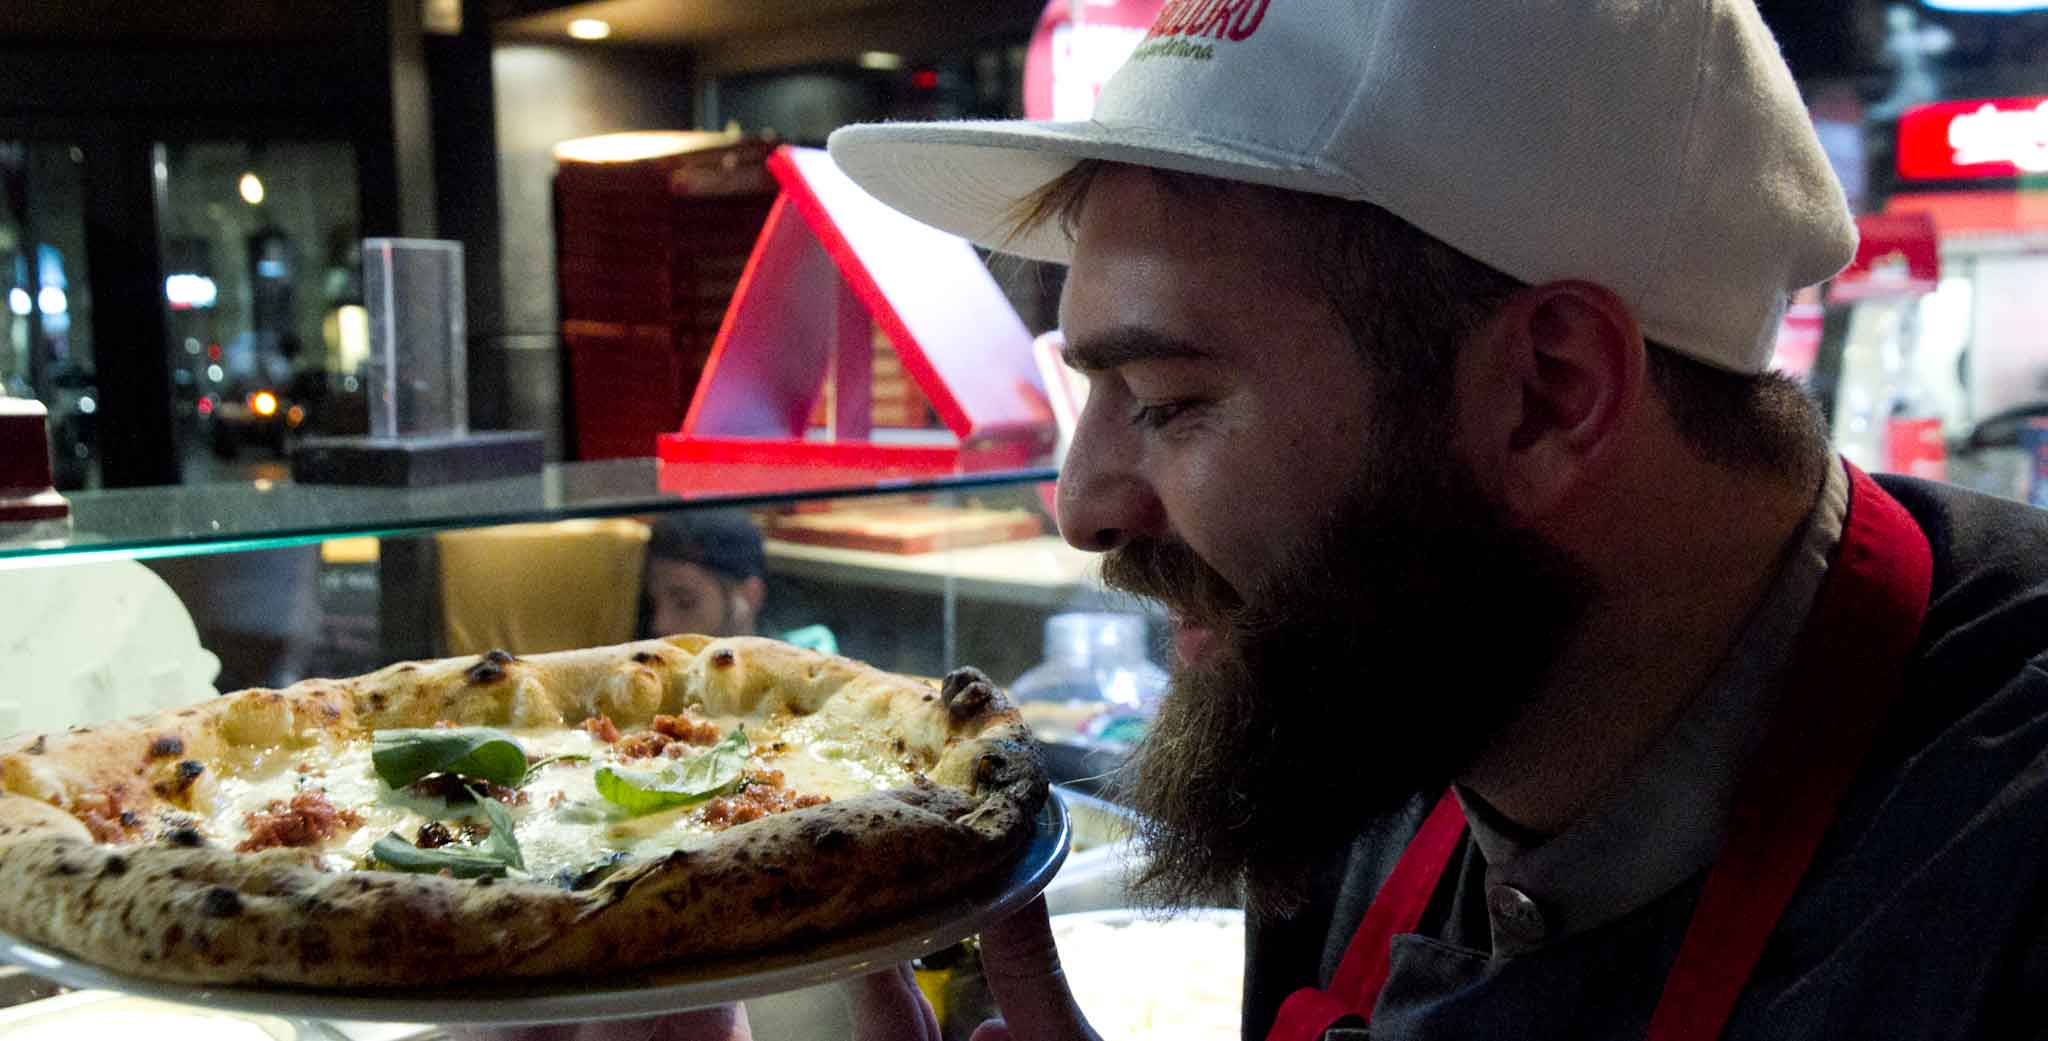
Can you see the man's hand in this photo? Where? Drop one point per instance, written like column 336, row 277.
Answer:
column 887, row 1006
column 1023, row 972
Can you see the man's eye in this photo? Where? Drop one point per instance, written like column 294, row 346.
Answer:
column 1153, row 417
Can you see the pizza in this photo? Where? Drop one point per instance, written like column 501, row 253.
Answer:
column 499, row 816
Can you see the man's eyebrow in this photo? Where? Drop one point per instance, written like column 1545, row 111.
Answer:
column 1123, row 346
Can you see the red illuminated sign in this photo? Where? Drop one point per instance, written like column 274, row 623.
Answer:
column 1974, row 140
column 831, row 266
column 1896, row 253
column 1078, row 45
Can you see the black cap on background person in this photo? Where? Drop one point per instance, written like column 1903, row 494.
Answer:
column 705, row 574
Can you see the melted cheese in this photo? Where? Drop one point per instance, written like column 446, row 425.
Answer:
column 565, row 826
column 814, row 762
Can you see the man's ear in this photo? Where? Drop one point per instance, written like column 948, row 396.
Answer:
column 1547, row 388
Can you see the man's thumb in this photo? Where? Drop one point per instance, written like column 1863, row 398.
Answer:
column 993, row 1030
column 1023, row 971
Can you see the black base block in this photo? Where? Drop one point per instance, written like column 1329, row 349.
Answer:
column 417, row 462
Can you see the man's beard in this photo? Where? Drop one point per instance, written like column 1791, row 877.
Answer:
column 1385, row 654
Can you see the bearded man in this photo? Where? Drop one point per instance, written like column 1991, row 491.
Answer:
column 1539, row 673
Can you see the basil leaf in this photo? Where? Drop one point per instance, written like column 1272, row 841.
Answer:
column 501, row 842
column 461, row 861
column 592, row 873
column 681, row 782
column 479, row 753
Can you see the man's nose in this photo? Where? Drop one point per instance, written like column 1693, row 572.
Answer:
column 1104, row 503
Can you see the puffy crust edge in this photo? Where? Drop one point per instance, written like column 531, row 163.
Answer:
column 208, row 915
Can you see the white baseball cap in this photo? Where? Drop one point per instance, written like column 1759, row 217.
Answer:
column 1656, row 147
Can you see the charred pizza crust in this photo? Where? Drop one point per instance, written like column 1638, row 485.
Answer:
column 88, row 866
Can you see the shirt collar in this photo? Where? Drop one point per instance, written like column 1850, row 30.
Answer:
column 1663, row 819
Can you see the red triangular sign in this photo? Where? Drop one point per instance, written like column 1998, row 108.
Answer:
column 832, row 263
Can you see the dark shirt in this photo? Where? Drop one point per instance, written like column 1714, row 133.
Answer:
column 1539, row 889
column 1920, row 917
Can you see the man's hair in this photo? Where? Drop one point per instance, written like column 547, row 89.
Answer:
column 1408, row 300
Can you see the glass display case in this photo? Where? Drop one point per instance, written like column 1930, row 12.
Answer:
column 283, row 581
column 162, row 596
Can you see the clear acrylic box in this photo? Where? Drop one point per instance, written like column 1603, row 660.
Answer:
column 418, row 380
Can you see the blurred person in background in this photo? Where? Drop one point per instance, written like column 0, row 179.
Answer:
column 705, row 574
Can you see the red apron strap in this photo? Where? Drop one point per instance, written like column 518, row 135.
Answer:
column 1397, row 909
column 1846, row 677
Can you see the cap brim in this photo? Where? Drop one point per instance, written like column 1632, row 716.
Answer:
column 968, row 178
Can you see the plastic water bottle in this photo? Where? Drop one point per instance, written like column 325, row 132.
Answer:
column 1095, row 678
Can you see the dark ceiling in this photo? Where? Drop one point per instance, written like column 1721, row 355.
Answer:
column 214, row 21
column 1822, row 39
column 1831, row 39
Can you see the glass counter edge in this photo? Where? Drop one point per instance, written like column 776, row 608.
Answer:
column 54, row 552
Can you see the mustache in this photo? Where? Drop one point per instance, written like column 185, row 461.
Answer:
column 1170, row 572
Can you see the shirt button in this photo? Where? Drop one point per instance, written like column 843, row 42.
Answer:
column 1515, row 915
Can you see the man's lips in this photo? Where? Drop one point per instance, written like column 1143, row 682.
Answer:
column 1190, row 641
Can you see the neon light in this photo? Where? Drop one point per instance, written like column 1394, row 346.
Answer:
column 190, row 292
column 634, row 145
column 1974, row 140
column 353, row 349
column 1993, row 135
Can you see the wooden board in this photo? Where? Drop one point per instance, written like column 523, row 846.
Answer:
column 907, row 529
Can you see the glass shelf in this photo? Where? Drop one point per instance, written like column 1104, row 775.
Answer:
column 180, row 520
